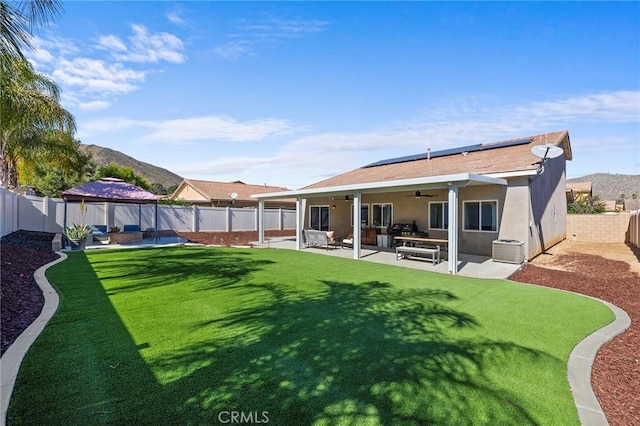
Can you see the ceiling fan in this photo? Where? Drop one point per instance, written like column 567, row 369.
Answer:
column 420, row 195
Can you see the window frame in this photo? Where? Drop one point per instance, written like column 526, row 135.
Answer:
column 362, row 205
column 445, row 215
column 480, row 203
column 382, row 217
column 320, row 206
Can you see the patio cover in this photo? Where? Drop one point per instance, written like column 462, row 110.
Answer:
column 110, row 189
column 450, row 182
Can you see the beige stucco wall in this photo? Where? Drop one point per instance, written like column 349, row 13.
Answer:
column 598, row 228
column 530, row 209
column 188, row 193
column 548, row 207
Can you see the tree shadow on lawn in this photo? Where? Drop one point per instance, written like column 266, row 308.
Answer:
column 206, row 268
column 360, row 354
column 344, row 353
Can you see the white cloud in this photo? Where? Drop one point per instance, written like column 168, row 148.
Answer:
column 112, row 43
column 232, row 50
column 93, row 75
column 147, row 47
column 217, row 128
column 251, row 35
column 94, row 105
column 175, row 17
column 469, row 121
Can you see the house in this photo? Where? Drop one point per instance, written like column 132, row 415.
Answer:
column 577, row 191
column 470, row 196
column 227, row 194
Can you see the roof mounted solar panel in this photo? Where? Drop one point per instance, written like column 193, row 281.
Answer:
column 452, row 151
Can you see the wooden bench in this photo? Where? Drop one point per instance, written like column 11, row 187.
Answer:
column 403, row 252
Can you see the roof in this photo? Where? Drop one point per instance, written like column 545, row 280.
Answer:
column 579, row 186
column 510, row 156
column 211, row 190
column 110, row 189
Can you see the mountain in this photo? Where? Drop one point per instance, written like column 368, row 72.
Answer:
column 609, row 187
column 153, row 174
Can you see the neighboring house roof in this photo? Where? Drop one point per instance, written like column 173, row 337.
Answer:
column 215, row 191
column 579, row 186
column 494, row 158
column 109, row 189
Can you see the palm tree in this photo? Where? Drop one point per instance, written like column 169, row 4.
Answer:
column 32, row 122
column 33, row 125
column 17, row 20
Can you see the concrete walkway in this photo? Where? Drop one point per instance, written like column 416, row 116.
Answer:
column 468, row 265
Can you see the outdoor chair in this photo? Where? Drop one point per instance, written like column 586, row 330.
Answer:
column 99, row 233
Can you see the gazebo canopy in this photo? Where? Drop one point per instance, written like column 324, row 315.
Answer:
column 110, row 189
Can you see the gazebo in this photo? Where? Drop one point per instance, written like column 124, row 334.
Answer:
column 114, row 190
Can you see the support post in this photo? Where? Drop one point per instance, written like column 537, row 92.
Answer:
column 453, row 229
column 299, row 222
column 357, row 221
column 261, row 221
column 194, row 218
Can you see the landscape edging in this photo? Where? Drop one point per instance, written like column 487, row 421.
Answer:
column 12, row 358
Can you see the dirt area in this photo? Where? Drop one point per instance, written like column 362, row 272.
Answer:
column 621, row 252
column 609, row 272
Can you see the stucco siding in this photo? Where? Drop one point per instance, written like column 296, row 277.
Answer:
column 514, row 221
column 548, row 207
column 188, row 193
column 479, row 242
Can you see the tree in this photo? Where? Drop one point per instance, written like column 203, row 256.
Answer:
column 51, row 178
column 125, row 173
column 33, row 125
column 587, row 205
column 17, row 21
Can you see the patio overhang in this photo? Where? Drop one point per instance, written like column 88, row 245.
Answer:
column 449, row 182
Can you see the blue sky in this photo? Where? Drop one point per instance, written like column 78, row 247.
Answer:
column 291, row 93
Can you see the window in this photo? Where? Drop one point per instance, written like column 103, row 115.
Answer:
column 481, row 216
column 364, row 214
column 439, row 215
column 319, row 218
column 382, row 214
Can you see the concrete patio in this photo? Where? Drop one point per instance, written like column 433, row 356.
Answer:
column 469, row 265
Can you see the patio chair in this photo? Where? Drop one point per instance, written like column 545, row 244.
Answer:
column 348, row 242
column 99, row 233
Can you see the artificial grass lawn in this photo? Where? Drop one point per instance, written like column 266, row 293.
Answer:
column 186, row 335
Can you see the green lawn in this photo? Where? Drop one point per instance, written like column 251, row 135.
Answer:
column 188, row 335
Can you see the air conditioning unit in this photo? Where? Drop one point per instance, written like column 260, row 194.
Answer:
column 509, row 251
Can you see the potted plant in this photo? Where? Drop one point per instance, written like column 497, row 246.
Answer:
column 78, row 234
column 114, row 230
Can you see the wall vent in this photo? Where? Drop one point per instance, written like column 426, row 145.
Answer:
column 509, row 251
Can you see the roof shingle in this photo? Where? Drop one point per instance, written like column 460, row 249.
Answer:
column 504, row 159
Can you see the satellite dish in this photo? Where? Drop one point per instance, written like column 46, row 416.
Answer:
column 547, row 151
column 233, row 195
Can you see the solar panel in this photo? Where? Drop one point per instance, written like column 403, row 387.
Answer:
column 452, row 151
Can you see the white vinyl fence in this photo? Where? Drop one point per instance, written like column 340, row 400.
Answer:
column 46, row 214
